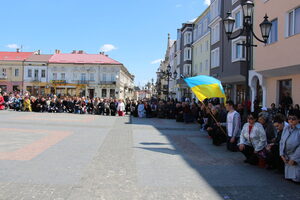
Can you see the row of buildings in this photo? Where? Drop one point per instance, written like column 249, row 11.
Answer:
column 202, row 48
column 65, row 74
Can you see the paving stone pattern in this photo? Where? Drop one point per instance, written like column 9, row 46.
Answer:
column 116, row 158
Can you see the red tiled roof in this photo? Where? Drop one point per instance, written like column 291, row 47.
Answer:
column 14, row 56
column 82, row 58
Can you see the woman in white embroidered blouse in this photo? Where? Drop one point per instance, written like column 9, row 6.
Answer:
column 252, row 140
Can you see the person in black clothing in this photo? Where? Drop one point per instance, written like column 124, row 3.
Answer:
column 268, row 126
column 90, row 107
column 286, row 101
column 52, row 107
column 148, row 110
column 34, row 104
column 273, row 158
column 101, row 107
column 106, row 108
column 113, row 108
column 70, row 106
column 216, row 132
column 59, row 106
column 296, row 110
column 65, row 105
column 127, row 107
column 179, row 112
column 135, row 109
column 77, row 105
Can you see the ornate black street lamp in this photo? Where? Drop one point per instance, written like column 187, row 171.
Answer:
column 167, row 75
column 265, row 27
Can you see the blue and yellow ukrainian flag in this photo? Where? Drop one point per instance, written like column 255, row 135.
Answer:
column 206, row 87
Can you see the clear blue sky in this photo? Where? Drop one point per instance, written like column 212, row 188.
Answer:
column 136, row 28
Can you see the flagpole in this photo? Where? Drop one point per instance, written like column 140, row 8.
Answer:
column 214, row 118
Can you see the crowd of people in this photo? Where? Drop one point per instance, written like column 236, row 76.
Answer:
column 268, row 137
column 54, row 104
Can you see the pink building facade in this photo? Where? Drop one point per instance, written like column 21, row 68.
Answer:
column 276, row 65
column 11, row 70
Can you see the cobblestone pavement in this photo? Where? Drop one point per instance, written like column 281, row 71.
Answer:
column 67, row 156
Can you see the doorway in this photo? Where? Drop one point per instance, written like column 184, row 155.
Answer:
column 91, row 93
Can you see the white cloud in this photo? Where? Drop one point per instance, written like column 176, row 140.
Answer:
column 207, row 2
column 12, row 46
column 178, row 5
column 156, row 61
column 108, row 47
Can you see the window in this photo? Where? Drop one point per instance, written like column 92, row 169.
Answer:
column 112, row 93
column 4, row 72
column 63, row 76
column 285, row 89
column 187, row 54
column 17, row 72
column 238, row 19
column 274, row 32
column 201, row 48
column 113, row 77
column 83, row 77
column 293, row 22
column 54, row 76
column 36, row 73
column 187, row 69
column 103, row 77
column 215, row 57
column 103, row 92
column 29, row 73
column 187, row 38
column 215, row 33
column 43, row 73
column 214, row 9
column 238, row 50
column 92, row 77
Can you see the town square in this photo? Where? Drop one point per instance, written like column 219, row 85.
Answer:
column 181, row 99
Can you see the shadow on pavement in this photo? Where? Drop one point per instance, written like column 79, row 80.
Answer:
column 224, row 171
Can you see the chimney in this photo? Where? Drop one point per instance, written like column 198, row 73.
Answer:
column 102, row 53
column 18, row 50
column 57, row 51
column 80, row 52
column 39, row 52
column 106, row 55
column 74, row 52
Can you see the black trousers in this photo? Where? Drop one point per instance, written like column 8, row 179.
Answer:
column 232, row 146
column 274, row 160
column 218, row 137
column 251, row 157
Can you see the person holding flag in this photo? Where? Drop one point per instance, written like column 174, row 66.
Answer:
column 205, row 87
